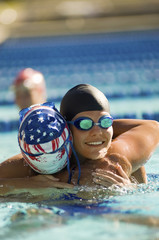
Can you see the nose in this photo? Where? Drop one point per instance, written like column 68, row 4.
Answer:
column 96, row 124
column 96, row 129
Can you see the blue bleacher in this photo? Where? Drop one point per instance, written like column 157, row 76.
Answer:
column 126, row 62
column 66, row 55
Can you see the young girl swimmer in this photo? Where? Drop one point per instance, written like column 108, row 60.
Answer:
column 110, row 152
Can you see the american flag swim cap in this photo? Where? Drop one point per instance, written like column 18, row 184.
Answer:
column 44, row 138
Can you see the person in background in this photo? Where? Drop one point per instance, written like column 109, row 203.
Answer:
column 29, row 88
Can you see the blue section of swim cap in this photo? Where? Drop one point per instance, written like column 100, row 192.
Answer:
column 25, row 110
column 41, row 126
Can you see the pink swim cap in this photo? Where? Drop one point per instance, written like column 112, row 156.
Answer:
column 28, row 77
column 44, row 138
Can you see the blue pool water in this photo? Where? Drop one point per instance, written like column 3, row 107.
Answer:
column 125, row 66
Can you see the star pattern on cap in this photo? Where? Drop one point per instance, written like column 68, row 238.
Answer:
column 41, row 127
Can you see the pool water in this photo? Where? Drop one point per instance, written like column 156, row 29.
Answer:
column 125, row 66
column 99, row 216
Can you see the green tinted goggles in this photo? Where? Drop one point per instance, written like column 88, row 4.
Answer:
column 85, row 123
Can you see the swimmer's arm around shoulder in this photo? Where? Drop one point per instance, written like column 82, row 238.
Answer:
column 136, row 144
column 34, row 182
column 121, row 126
column 16, row 173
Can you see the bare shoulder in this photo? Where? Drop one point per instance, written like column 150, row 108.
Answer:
column 15, row 158
column 15, row 167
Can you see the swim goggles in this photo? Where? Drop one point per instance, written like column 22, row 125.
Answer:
column 86, row 123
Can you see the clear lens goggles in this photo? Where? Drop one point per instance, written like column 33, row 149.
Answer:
column 85, row 123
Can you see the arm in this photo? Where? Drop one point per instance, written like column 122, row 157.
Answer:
column 16, row 167
column 15, row 173
column 10, row 185
column 135, row 141
column 123, row 125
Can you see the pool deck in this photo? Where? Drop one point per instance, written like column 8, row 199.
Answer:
column 52, row 17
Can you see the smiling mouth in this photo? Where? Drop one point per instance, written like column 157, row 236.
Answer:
column 95, row 143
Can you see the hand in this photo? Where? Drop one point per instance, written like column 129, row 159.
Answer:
column 107, row 178
column 44, row 180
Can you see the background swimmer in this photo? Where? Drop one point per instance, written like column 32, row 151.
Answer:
column 29, row 88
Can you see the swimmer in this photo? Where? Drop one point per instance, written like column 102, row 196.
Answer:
column 109, row 151
column 29, row 88
column 45, row 141
column 44, row 138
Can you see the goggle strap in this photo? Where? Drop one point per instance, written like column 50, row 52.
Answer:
column 78, row 163
column 68, row 165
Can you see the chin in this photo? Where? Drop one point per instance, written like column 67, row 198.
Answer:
column 96, row 156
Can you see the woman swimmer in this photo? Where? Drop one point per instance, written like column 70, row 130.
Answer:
column 105, row 157
column 108, row 153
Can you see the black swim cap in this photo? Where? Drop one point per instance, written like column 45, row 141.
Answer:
column 81, row 98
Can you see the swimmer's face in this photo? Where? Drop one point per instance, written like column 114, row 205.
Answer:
column 94, row 143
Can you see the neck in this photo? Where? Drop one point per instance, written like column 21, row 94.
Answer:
column 84, row 160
